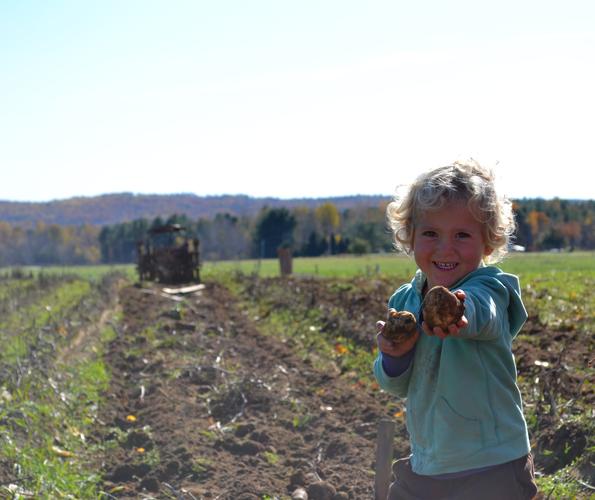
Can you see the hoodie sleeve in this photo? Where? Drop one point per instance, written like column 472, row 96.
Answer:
column 493, row 307
column 393, row 385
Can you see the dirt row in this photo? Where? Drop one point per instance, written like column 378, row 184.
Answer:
column 203, row 405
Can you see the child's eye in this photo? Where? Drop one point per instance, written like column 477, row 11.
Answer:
column 463, row 235
column 429, row 234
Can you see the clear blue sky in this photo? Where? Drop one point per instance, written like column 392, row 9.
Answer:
column 292, row 98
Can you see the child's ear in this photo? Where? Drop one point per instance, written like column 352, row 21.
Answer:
column 487, row 251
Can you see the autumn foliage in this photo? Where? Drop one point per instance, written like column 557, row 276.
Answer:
column 311, row 229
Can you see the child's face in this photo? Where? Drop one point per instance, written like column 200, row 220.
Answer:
column 448, row 243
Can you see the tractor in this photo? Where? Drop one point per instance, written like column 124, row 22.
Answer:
column 168, row 255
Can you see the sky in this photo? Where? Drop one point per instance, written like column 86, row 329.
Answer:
column 293, row 99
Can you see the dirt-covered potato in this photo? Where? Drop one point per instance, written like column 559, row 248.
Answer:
column 441, row 308
column 399, row 326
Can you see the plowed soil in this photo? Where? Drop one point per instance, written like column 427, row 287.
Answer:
column 205, row 405
column 212, row 408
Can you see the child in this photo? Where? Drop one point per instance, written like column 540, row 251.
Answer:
column 465, row 420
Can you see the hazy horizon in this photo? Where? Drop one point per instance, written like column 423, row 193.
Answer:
column 372, row 195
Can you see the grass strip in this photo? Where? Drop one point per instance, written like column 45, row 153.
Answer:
column 47, row 410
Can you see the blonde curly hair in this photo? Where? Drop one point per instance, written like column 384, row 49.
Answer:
column 462, row 180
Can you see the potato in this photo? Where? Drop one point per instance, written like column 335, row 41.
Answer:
column 441, row 308
column 399, row 326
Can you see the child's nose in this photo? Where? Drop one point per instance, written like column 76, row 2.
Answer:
column 444, row 245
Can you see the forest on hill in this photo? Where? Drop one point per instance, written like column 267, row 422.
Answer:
column 243, row 227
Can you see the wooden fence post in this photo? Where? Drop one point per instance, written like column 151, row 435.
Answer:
column 384, row 455
column 285, row 263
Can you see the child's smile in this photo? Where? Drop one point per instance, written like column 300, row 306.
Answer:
column 445, row 266
column 448, row 243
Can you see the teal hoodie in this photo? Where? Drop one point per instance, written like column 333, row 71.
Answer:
column 464, row 408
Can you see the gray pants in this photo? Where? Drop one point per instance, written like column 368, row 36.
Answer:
column 509, row 481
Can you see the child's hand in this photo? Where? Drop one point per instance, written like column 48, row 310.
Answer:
column 394, row 348
column 452, row 330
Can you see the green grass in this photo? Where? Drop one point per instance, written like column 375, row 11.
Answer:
column 558, row 287
column 48, row 408
column 325, row 267
column 84, row 272
column 49, row 447
column 561, row 485
column 44, row 434
column 20, row 329
column 530, row 264
column 527, row 265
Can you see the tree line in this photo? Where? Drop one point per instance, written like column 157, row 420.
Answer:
column 307, row 231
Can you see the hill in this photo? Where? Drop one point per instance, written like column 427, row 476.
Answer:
column 124, row 207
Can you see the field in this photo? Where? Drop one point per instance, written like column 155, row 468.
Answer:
column 253, row 386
